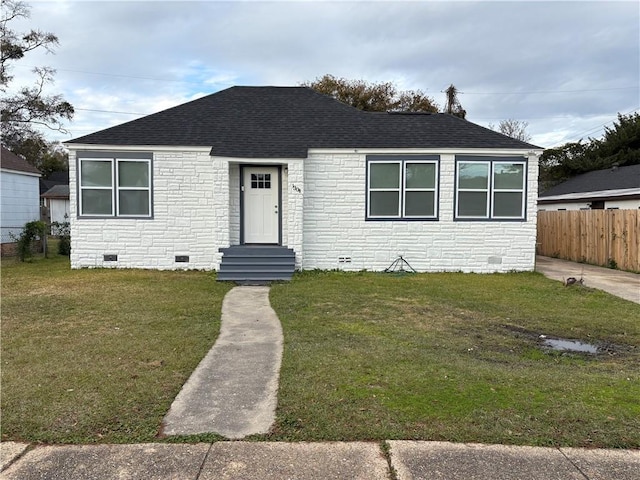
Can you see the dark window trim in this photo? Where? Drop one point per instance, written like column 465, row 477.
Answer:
column 402, row 159
column 491, row 159
column 114, row 156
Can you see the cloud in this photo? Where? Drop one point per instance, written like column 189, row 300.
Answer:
column 561, row 66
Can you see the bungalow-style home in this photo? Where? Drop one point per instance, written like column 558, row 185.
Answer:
column 254, row 181
column 611, row 188
column 19, row 197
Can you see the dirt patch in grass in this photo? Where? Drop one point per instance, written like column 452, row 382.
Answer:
column 604, row 349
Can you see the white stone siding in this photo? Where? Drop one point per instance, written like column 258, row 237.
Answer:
column 234, row 204
column 284, row 205
column 190, row 217
column 335, row 228
column 296, row 187
column 196, row 203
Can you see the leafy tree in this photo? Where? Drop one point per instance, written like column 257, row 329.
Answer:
column 25, row 109
column 619, row 146
column 46, row 156
column 373, row 97
column 513, row 128
column 559, row 164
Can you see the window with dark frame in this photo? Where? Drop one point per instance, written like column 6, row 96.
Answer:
column 114, row 187
column 402, row 187
column 492, row 188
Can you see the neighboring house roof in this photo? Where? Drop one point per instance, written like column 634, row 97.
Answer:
column 11, row 161
column 284, row 122
column 57, row 191
column 54, row 178
column 608, row 183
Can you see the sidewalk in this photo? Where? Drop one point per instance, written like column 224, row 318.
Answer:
column 622, row 284
column 306, row 461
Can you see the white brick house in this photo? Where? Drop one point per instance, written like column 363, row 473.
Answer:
column 340, row 188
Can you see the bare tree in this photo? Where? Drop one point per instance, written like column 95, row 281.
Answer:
column 513, row 128
column 29, row 106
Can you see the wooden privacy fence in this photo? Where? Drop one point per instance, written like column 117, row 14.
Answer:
column 600, row 237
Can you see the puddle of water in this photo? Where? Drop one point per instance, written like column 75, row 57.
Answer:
column 570, row 345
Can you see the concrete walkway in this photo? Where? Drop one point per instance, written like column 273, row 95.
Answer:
column 622, row 284
column 233, row 391
column 409, row 460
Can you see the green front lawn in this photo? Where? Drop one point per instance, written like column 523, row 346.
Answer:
column 98, row 356
column 455, row 357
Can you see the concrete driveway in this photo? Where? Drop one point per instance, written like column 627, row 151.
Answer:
column 622, row 284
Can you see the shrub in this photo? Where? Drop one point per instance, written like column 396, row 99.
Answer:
column 31, row 231
column 62, row 230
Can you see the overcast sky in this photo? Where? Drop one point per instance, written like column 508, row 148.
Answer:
column 566, row 68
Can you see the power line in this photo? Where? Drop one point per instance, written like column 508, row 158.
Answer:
column 597, row 128
column 637, row 87
column 532, row 92
column 113, row 75
column 109, row 111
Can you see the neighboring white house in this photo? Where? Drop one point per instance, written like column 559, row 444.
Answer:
column 611, row 188
column 20, row 194
column 286, row 166
column 56, row 200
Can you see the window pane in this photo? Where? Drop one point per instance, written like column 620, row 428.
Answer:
column 384, row 204
column 384, row 175
column 472, row 204
column 95, row 173
column 421, row 175
column 508, row 176
column 96, row 202
column 133, row 202
column 473, row 175
column 133, row 174
column 419, row 204
column 507, row 204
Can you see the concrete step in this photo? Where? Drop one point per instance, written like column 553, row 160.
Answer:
column 262, row 263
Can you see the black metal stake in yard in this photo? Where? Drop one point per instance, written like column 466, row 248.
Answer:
column 398, row 266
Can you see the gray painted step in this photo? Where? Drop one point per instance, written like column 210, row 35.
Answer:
column 263, row 263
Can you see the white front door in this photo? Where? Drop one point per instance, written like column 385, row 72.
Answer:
column 261, row 206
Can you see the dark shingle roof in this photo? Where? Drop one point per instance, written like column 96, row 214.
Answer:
column 57, row 191
column 272, row 122
column 599, row 180
column 54, row 178
column 11, row 161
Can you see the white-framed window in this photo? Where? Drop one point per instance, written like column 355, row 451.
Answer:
column 490, row 188
column 402, row 187
column 114, row 186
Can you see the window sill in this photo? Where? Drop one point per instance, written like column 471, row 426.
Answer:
column 401, row 219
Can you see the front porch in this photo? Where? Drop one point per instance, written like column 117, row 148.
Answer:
column 265, row 221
